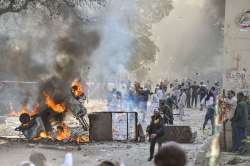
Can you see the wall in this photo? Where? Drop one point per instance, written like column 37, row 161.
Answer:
column 236, row 40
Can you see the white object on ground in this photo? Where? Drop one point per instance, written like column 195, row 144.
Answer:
column 68, row 160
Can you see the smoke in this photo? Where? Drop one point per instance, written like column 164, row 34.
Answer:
column 194, row 39
column 35, row 47
column 110, row 60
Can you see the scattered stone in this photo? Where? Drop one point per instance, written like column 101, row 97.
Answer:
column 235, row 160
column 79, row 148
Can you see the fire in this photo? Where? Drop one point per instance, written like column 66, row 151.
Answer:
column 24, row 109
column 60, row 108
column 63, row 132
column 35, row 110
column 13, row 113
column 59, row 131
column 45, row 134
column 83, row 138
column 77, row 88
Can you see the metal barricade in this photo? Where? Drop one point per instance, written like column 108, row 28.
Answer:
column 113, row 126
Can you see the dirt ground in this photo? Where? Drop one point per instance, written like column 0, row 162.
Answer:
column 228, row 159
column 132, row 154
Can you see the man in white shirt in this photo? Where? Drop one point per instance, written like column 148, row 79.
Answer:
column 182, row 103
column 231, row 101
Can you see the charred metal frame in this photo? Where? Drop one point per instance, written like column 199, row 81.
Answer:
column 127, row 123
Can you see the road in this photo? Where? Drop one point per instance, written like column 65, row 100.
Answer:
column 132, row 154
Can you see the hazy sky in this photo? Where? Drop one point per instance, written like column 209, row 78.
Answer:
column 178, row 35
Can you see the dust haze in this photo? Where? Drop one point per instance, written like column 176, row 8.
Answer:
column 190, row 40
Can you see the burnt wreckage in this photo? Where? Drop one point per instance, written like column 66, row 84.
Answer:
column 48, row 122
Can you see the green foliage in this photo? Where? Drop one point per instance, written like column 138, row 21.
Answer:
column 145, row 51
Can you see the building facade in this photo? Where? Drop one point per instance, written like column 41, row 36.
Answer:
column 237, row 34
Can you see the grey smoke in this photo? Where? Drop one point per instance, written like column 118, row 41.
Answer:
column 191, row 39
column 51, row 51
column 110, row 60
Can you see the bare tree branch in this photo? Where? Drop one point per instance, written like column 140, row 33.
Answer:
column 16, row 6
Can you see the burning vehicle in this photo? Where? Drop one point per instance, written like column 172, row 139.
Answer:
column 46, row 120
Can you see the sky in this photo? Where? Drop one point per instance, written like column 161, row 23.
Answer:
column 182, row 37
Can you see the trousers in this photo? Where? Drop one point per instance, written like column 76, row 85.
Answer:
column 240, row 135
column 152, row 146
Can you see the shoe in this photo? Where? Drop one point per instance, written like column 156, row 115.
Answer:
column 150, row 158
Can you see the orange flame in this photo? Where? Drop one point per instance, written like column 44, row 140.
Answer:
column 83, row 138
column 60, row 108
column 24, row 109
column 78, row 89
column 35, row 110
column 13, row 113
column 64, row 133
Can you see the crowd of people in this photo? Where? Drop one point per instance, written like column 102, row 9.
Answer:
column 235, row 111
column 165, row 97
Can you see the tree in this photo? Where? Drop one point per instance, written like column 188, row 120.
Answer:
column 150, row 12
column 54, row 6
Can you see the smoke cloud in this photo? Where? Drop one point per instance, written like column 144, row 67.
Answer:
column 52, row 52
column 110, row 60
column 193, row 40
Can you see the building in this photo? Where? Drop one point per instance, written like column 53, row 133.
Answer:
column 237, row 44
column 237, row 36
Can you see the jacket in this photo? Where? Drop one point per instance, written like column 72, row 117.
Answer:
column 156, row 126
column 240, row 118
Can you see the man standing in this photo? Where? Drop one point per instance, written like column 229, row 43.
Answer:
column 145, row 97
column 231, row 102
column 155, row 130
column 188, row 93
column 240, row 120
column 210, row 102
column 182, row 103
column 170, row 102
column 163, row 108
column 202, row 93
column 195, row 89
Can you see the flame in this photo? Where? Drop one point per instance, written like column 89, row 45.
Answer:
column 83, row 138
column 35, row 110
column 79, row 89
column 13, row 113
column 63, row 134
column 60, row 108
column 24, row 109
column 45, row 134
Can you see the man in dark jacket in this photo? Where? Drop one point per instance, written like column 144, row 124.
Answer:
column 164, row 110
column 202, row 92
column 170, row 103
column 240, row 121
column 188, row 91
column 155, row 130
column 195, row 90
